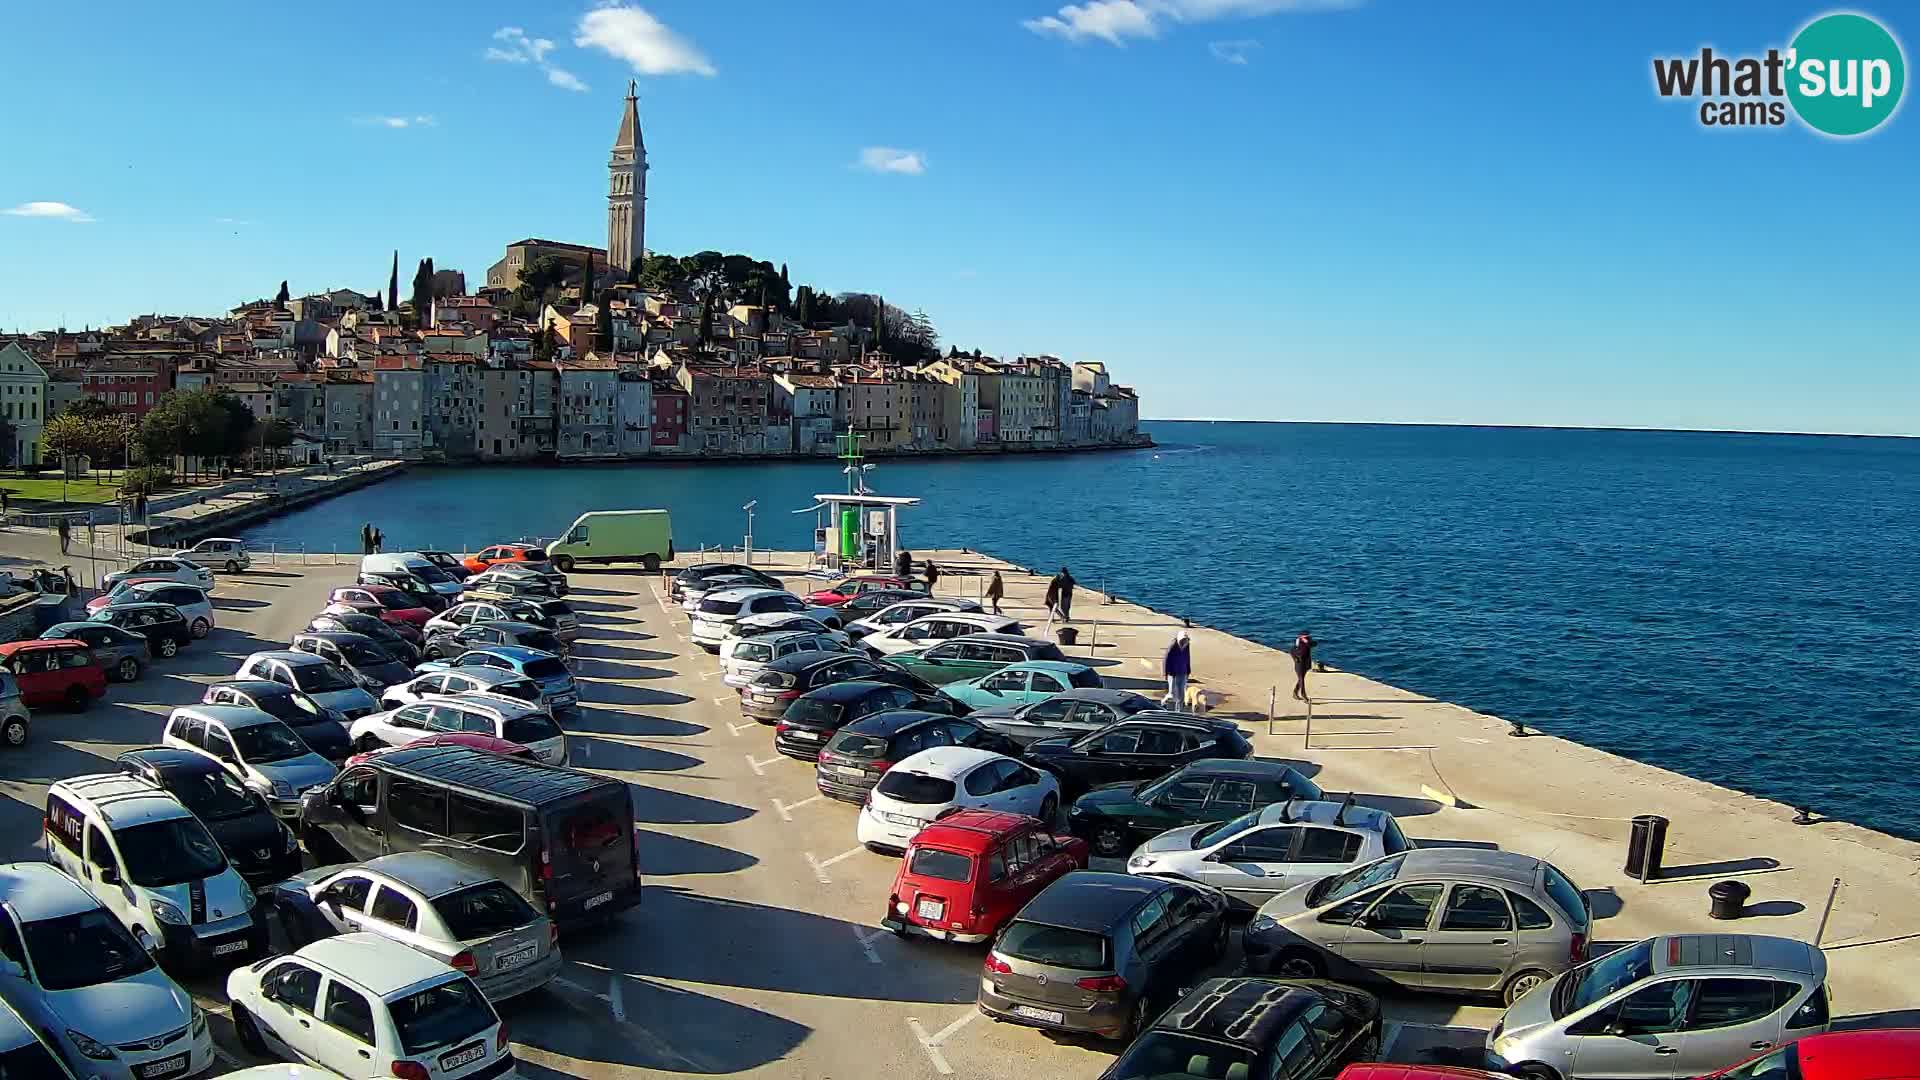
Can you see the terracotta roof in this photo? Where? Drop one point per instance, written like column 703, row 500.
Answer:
column 248, row 388
column 396, row 363
column 450, row 358
column 814, row 382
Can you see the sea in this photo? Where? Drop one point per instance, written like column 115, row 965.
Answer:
column 1741, row 608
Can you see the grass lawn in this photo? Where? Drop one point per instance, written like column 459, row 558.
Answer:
column 46, row 488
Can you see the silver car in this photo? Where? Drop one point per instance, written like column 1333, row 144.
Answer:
column 1263, row 853
column 15, row 720
column 1437, row 918
column 122, row 652
column 461, row 916
column 1681, row 1005
column 465, row 681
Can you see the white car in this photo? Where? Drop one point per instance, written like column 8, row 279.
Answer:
column 257, row 748
column 720, row 610
column 774, row 622
column 933, row 629
column 526, row 723
column 439, row 684
column 192, row 601
column 167, row 567
column 84, row 968
column 906, row 611
column 222, row 551
column 367, row 1006
column 1263, row 853
column 743, row 658
column 923, row 786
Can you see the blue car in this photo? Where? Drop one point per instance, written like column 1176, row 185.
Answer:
column 1024, row 682
column 557, row 688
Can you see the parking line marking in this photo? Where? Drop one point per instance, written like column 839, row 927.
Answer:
column 711, row 674
column 615, row 1000
column 726, row 700
column 820, row 867
column 760, row 767
column 1389, row 1035
column 738, row 728
column 866, row 943
column 785, row 810
column 931, row 1044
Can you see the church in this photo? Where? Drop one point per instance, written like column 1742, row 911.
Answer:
column 626, row 211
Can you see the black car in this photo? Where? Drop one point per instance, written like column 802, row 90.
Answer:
column 322, row 729
column 877, row 600
column 1115, row 818
column 781, row 683
column 165, row 628
column 1078, row 711
column 1145, row 746
column 449, row 564
column 400, row 639
column 811, row 722
column 444, row 641
column 418, row 591
column 700, row 572
column 1256, row 1027
column 258, row 846
column 361, row 657
column 855, row 758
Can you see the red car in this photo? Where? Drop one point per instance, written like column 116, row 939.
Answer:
column 458, row 738
column 966, row 875
column 508, row 553
column 385, row 602
column 1884, row 1054
column 60, row 671
column 1415, row 1072
column 835, row 595
column 120, row 589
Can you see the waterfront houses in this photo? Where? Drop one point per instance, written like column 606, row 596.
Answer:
column 23, row 405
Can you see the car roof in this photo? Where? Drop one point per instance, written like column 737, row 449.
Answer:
column 972, row 831
column 37, row 890
column 1062, row 667
column 382, row 965
column 1091, row 899
column 1243, row 1011
column 255, row 687
column 143, row 605
column 850, row 690
column 892, row 721
column 531, row 782
column 162, row 583
column 122, row 799
column 173, row 761
column 1380, row 1070
column 507, row 707
column 519, row 654
column 807, row 661
column 1736, row 951
column 946, row 761
column 233, row 716
column 432, row 874
column 745, row 592
column 490, row 676
column 1236, row 769
column 338, row 637
column 290, row 656
column 516, row 626
column 1326, row 812
column 997, row 639
column 1491, row 864
column 375, row 588
column 34, row 644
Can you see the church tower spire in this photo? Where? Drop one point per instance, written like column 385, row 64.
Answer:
column 627, row 189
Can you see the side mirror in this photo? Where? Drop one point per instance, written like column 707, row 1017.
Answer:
column 109, row 876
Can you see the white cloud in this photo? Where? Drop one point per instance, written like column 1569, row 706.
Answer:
column 565, row 80
column 234, row 221
column 630, row 33
column 57, row 210
column 517, row 48
column 887, row 159
column 397, row 122
column 1114, row 21
column 1238, row 51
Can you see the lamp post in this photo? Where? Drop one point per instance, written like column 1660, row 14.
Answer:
column 751, row 503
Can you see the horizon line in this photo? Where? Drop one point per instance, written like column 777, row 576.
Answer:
column 1531, row 427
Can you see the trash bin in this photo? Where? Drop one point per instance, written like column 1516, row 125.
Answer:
column 1729, row 899
column 1068, row 634
column 1646, row 846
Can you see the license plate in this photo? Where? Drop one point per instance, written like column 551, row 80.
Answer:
column 1043, row 1015
column 459, row 1058
column 165, row 1066
column 931, row 909
column 230, row 947
column 516, row 958
column 902, row 819
column 596, row 901
column 849, row 770
column 760, row 695
column 807, row 735
column 566, row 699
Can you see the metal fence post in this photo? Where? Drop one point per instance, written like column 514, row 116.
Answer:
column 1308, row 740
column 1821, row 933
column 1273, row 700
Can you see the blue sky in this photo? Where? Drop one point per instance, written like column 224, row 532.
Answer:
column 1393, row 210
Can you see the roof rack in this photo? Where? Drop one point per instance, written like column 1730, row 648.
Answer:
column 1286, row 811
column 1340, row 818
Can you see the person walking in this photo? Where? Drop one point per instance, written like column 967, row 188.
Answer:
column 366, row 539
column 933, row 576
column 66, row 535
column 995, row 590
column 1060, row 594
column 1302, row 663
column 1177, row 665
column 379, row 538
column 903, row 564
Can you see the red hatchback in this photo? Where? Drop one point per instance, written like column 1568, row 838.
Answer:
column 966, row 875
column 61, row 671
column 385, row 602
column 1884, row 1054
column 835, row 595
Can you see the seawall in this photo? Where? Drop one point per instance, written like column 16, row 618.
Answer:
column 183, row 527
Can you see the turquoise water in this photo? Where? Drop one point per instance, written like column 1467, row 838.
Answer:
column 1741, row 608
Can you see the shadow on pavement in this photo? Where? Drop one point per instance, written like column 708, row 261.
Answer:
column 672, row 1030
column 646, row 725
column 607, row 755
column 607, row 693
column 597, row 651
column 666, row 855
column 659, row 806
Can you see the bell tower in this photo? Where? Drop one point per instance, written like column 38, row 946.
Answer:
column 627, row 190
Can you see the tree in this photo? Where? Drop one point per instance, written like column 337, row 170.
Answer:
column 423, row 293
column 67, row 435
column 92, row 408
column 638, row 269
column 375, row 306
column 273, row 435
column 7, row 435
column 803, row 305
column 663, row 273
column 393, row 284
column 783, row 276
column 711, row 288
column 280, row 298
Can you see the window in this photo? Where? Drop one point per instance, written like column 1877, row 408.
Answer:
column 983, row 780
column 1563, row 894
column 1260, row 846
column 1160, row 741
column 417, row 806
column 485, row 824
column 1185, row 794
column 361, row 788
column 1476, row 907
column 1406, row 908
column 1328, row 846
column 1150, row 920
column 1654, row 1010
column 1006, row 680
column 191, row 729
column 349, row 1011
column 1046, row 684
column 389, row 905
column 98, row 851
column 348, row 891
column 1531, row 915
column 1232, row 795
column 1813, row 1013
column 1726, row 1002
column 292, row 984
column 1124, row 741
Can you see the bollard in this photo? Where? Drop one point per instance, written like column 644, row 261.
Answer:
column 1646, row 845
column 1273, row 700
column 1308, row 740
column 1729, row 899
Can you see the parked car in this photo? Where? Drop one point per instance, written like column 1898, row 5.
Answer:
column 383, row 1009
column 964, row 876
column 512, row 719
column 155, row 866
column 700, row 572
column 222, row 551
column 905, row 611
column 486, row 557
column 448, row 563
column 472, row 739
column 1102, row 953
column 34, row 1041
column 260, row 751
column 163, row 568
column 16, row 721
column 562, row 838
column 604, row 536
column 383, row 602
column 324, row 730
column 1073, row 712
column 1144, row 746
column 1676, row 1005
column 460, row 916
column 261, row 848
column 557, row 688
column 119, row 590
column 164, row 627
column 811, row 721
column 401, row 639
column 508, row 588
column 61, row 672
column 361, row 657
column 413, row 565
column 874, row 601
column 1116, row 817
column 1263, row 853
column 935, row 782
column 928, row 630
column 776, row 622
column 785, row 680
column 475, row 635
column 478, row 680
column 1256, row 1027
column 191, row 600
column 696, row 591
column 540, row 571
column 1383, row 1071
column 971, row 656
column 1835, row 1055
column 861, row 752
column 846, row 589
column 327, row 685
column 78, row 963
column 554, row 615
column 742, row 659
column 719, row 610
column 1026, row 682
column 420, row 593
column 1490, row 921
column 122, row 654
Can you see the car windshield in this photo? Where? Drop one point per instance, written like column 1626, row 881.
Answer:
column 1341, row 886
column 1615, row 971
column 1058, row 946
column 911, row 787
column 481, row 911
column 854, row 744
column 813, row 711
column 530, row 728
column 548, row 667
column 31, row 1061
column 1164, row 1055
column 263, row 744
column 213, row 796
column 443, row 1015
column 941, row 865
column 719, row 607
column 83, row 949
column 162, row 853
column 752, row 652
column 292, row 708
column 428, row 573
column 320, row 678
column 364, row 653
column 1226, row 830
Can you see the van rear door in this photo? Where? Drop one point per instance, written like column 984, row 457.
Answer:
column 589, row 861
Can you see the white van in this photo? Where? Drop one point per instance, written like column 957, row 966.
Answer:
column 156, row 867
column 415, row 565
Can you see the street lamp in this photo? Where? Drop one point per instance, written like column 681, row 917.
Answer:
column 751, row 503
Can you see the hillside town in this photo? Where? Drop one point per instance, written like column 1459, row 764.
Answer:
column 573, row 352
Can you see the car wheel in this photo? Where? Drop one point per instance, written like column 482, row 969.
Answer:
column 200, row 628
column 651, row 562
column 244, row 1027
column 563, row 563
column 1137, row 1021
column 233, row 566
column 1533, row 1070
column 129, row 669
column 1518, row 986
column 1368, row 1048
column 169, row 647
column 14, row 731
column 1298, row 963
column 1049, row 810
column 76, row 698
column 1110, row 841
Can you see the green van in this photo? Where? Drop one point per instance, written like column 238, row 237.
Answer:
column 604, row 536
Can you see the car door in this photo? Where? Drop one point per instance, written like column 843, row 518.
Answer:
column 1020, row 790
column 1041, row 720
column 105, row 877
column 1638, row 1035
column 1733, row 1018
column 979, row 787
column 1254, row 866
column 392, row 914
column 1042, row 684
column 345, row 1039
column 1178, row 803
column 999, row 689
column 1390, row 936
column 289, row 997
column 1159, row 753
column 1110, row 758
column 362, row 832
column 1156, row 950
column 343, row 900
column 1473, row 944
